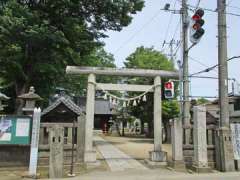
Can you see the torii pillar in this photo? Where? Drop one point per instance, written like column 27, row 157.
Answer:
column 157, row 155
column 90, row 154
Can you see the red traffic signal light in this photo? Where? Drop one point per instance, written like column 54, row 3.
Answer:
column 198, row 14
column 168, row 85
column 169, row 90
column 196, row 30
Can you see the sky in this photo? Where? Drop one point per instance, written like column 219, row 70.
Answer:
column 151, row 26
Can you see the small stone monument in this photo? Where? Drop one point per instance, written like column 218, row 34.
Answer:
column 56, row 143
column 177, row 144
column 30, row 99
column 200, row 163
column 3, row 97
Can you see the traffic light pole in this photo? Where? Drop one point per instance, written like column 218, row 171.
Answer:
column 186, row 102
column 224, row 147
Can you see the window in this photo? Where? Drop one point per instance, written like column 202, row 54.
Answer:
column 237, row 105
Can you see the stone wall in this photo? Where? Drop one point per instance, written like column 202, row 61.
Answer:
column 14, row 155
column 19, row 156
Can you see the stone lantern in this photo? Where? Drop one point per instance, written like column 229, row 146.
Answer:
column 30, row 99
column 3, row 97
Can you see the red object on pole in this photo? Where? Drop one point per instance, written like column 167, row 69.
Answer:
column 168, row 85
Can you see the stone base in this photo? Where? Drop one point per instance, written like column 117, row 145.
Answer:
column 178, row 165
column 32, row 176
column 158, row 156
column 201, row 169
column 224, row 150
column 91, row 165
column 90, row 156
column 71, row 175
column 155, row 163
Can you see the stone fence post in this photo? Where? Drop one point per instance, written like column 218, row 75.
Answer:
column 177, row 144
column 200, row 163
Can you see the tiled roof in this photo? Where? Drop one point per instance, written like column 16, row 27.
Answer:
column 67, row 102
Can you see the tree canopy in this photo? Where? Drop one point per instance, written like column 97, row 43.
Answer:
column 38, row 38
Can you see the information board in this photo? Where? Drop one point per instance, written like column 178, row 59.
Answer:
column 15, row 129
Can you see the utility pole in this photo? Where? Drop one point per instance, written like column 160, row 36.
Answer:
column 186, row 102
column 225, row 159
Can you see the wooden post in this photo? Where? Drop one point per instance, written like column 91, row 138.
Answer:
column 69, row 135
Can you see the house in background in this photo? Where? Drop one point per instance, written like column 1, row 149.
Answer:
column 234, row 110
column 103, row 111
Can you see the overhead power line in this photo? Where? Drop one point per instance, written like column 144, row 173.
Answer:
column 229, row 2
column 212, row 10
column 168, row 26
column 198, row 4
column 210, row 77
column 212, row 67
column 234, row 7
column 136, row 33
column 175, row 31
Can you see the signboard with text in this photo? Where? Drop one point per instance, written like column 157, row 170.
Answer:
column 15, row 129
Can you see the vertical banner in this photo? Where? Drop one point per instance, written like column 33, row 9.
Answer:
column 235, row 128
column 34, row 142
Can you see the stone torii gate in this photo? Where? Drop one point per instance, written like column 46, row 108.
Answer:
column 157, row 155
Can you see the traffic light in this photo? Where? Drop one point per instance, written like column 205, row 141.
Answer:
column 196, row 30
column 169, row 90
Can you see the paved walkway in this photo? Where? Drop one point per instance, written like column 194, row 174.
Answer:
column 156, row 175
column 116, row 159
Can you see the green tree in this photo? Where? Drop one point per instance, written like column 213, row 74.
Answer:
column 202, row 101
column 38, row 38
column 148, row 58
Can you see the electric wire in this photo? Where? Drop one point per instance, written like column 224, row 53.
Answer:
column 213, row 67
column 176, row 29
column 212, row 10
column 168, row 26
column 198, row 4
column 229, row 2
column 234, row 7
column 137, row 32
column 199, row 62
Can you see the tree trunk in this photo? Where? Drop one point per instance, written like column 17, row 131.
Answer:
column 142, row 127
column 167, row 129
column 118, row 129
column 123, row 133
column 150, row 129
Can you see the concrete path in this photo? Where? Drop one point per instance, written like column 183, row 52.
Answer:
column 116, row 159
column 156, row 174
